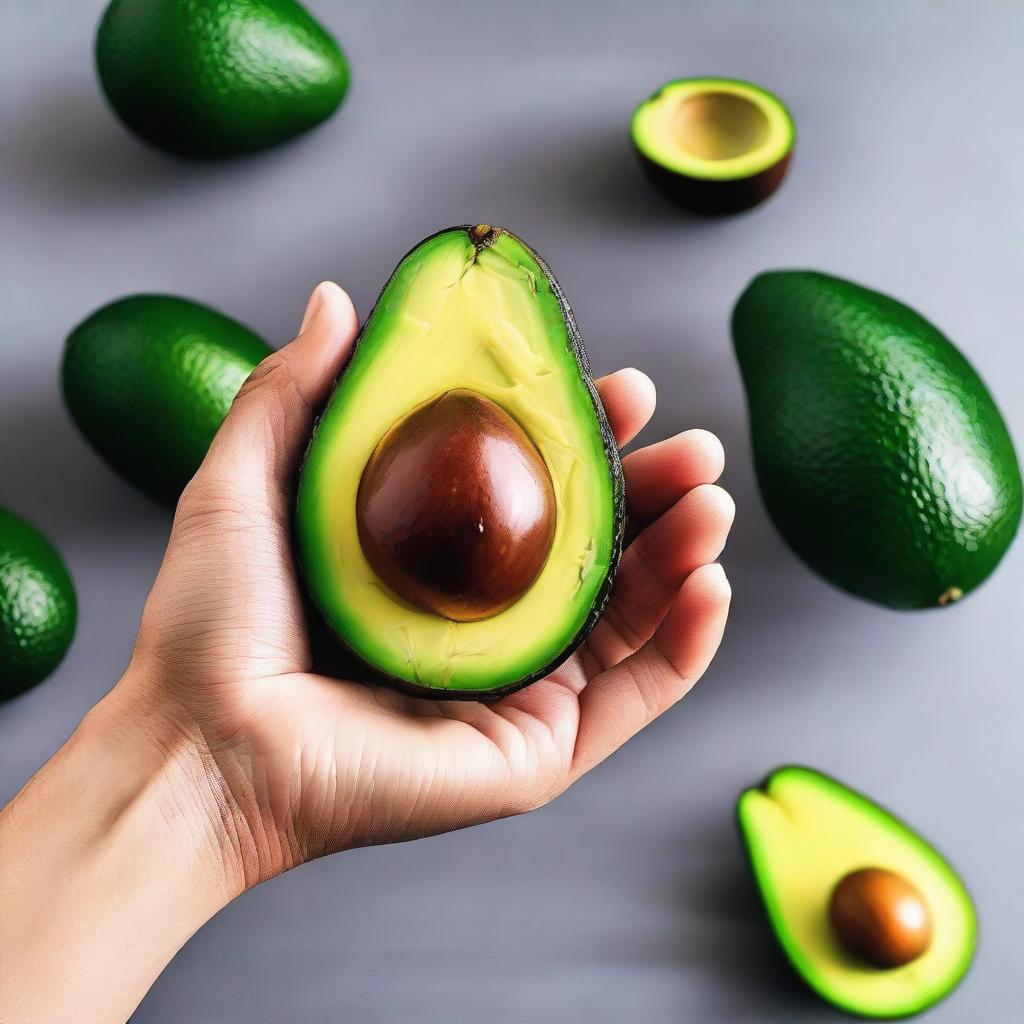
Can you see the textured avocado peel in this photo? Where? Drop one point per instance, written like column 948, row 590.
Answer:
column 882, row 458
column 148, row 380
column 38, row 606
column 399, row 645
column 218, row 78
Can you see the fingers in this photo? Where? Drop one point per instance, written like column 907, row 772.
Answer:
column 629, row 398
column 270, row 420
column 618, row 703
column 690, row 534
column 657, row 475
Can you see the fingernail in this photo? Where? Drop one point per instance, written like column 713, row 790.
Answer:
column 312, row 308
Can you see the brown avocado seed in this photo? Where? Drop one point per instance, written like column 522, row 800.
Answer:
column 880, row 917
column 455, row 510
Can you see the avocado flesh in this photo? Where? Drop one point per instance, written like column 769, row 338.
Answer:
column 218, row 78
column 714, row 145
column 488, row 318
column 804, row 832
column 148, row 380
column 881, row 456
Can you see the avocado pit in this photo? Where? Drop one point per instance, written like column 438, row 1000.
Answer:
column 880, row 917
column 455, row 509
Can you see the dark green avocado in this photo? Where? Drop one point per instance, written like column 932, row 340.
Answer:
column 892, row 948
column 881, row 456
column 714, row 145
column 37, row 606
column 149, row 379
column 217, row 78
column 461, row 508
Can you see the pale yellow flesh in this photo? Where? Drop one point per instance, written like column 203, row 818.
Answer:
column 718, row 129
column 804, row 841
column 467, row 323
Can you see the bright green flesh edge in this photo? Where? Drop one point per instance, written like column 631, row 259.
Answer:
column 312, row 540
column 801, row 962
column 693, row 166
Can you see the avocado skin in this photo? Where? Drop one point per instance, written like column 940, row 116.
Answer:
column 38, row 609
column 709, row 198
column 880, row 454
column 149, row 379
column 218, row 78
column 611, row 450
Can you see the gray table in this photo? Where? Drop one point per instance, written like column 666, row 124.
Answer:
column 626, row 901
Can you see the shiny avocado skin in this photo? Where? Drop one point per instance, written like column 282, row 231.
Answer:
column 218, row 78
column 880, row 453
column 611, row 450
column 38, row 609
column 149, row 379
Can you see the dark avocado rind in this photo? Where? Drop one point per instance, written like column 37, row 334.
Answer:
column 714, row 198
column 611, row 453
column 881, row 456
column 218, row 78
column 38, row 607
column 148, row 380
column 701, row 190
column 797, row 958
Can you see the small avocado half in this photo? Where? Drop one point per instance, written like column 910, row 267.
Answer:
column 805, row 833
column 714, row 145
column 460, row 509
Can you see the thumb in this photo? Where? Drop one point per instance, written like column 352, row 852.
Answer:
column 265, row 432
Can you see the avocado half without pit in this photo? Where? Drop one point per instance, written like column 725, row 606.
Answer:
column 714, row 145
column 870, row 915
column 460, row 507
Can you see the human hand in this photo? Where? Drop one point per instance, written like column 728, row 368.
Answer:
column 222, row 758
column 301, row 764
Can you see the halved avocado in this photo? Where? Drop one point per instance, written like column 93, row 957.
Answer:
column 806, row 833
column 461, row 506
column 714, row 145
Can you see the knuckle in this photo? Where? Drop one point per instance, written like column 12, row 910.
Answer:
column 203, row 501
column 272, row 374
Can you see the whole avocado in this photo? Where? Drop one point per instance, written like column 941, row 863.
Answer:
column 880, row 453
column 216, row 78
column 37, row 606
column 149, row 379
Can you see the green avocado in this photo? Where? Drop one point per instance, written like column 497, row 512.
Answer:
column 37, row 606
column 714, row 145
column 805, row 833
column 881, row 456
column 217, row 78
column 149, row 379
column 460, row 508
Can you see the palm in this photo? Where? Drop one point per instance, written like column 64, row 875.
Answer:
column 322, row 763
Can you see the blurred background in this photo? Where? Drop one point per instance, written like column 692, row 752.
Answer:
column 627, row 900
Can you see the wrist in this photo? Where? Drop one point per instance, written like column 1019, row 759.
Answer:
column 109, row 861
column 171, row 783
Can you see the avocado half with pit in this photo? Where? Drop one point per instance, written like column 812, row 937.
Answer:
column 869, row 914
column 714, row 145
column 461, row 506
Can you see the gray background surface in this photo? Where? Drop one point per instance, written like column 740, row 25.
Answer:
column 626, row 901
